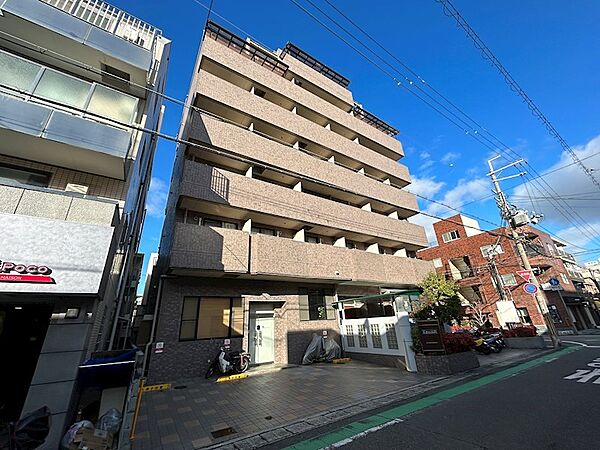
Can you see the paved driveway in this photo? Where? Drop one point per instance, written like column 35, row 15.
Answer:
column 196, row 415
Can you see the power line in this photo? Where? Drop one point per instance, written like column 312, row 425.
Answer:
column 561, row 208
column 451, row 11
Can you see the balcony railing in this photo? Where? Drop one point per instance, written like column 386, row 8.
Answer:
column 110, row 19
column 39, row 83
column 250, row 51
column 314, row 64
column 373, row 120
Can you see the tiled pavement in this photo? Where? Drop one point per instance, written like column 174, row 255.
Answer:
column 184, row 418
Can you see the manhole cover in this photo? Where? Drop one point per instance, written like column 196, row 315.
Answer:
column 181, row 386
column 222, row 432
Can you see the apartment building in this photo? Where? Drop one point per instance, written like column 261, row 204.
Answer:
column 74, row 173
column 490, row 287
column 287, row 196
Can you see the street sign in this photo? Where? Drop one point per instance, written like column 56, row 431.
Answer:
column 530, row 288
column 554, row 281
column 525, row 274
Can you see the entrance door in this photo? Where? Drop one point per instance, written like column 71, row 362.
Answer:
column 263, row 338
column 22, row 332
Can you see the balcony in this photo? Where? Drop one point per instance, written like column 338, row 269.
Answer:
column 209, row 249
column 216, row 93
column 220, row 56
column 66, row 232
column 91, row 30
column 264, row 151
column 213, row 250
column 52, row 117
column 228, row 194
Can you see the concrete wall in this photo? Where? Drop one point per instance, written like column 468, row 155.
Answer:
column 220, row 186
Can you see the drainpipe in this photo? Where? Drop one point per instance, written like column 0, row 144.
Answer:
column 154, row 322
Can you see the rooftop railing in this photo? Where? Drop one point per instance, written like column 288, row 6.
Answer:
column 111, row 19
column 244, row 48
column 314, row 64
column 373, row 120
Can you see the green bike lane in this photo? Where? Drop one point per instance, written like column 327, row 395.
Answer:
column 359, row 429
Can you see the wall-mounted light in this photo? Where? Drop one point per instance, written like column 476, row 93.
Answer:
column 72, row 313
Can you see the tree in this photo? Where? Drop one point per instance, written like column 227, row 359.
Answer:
column 439, row 300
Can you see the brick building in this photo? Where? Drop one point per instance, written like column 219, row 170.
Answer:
column 462, row 255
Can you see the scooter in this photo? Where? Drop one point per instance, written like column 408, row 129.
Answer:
column 228, row 362
column 482, row 346
column 495, row 341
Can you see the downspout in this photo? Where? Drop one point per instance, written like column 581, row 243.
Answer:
column 154, row 324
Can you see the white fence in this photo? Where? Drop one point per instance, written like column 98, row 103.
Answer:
column 388, row 335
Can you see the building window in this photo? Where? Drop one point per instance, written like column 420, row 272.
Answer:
column 317, row 307
column 489, row 250
column 564, row 278
column 509, row 279
column 211, row 318
column 263, row 230
column 23, row 177
column 350, row 244
column 349, row 335
column 219, row 224
column 450, row 236
column 312, row 239
column 376, row 335
column 392, row 338
column 437, row 263
column 523, row 314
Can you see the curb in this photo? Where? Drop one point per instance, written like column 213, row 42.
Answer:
column 311, row 423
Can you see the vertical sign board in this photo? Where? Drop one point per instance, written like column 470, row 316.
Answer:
column 554, row 314
column 431, row 336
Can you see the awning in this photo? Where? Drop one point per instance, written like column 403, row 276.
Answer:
column 112, row 370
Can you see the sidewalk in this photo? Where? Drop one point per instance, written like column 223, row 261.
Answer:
column 273, row 405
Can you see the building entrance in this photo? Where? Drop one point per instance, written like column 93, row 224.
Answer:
column 22, row 331
column 262, row 335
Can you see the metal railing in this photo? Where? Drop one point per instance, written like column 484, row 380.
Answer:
column 244, row 48
column 373, row 120
column 315, row 64
column 111, row 19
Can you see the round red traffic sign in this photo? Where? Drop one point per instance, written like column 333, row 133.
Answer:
column 530, row 288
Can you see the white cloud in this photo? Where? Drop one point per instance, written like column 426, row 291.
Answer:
column 425, row 155
column 426, row 187
column 464, row 191
column 449, row 157
column 579, row 192
column 157, row 197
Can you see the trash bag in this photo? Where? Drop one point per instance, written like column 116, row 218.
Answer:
column 69, row 436
column 111, row 421
column 31, row 431
column 314, row 350
column 331, row 350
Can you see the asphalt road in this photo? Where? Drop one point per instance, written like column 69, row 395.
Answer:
column 535, row 409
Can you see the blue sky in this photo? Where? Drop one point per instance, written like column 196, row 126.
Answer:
column 550, row 47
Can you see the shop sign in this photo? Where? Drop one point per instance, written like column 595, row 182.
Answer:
column 431, row 336
column 24, row 273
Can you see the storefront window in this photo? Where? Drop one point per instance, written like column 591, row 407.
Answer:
column 211, row 318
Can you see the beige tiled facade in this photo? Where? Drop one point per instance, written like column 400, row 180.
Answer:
column 282, row 189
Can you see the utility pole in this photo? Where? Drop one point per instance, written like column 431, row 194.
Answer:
column 517, row 218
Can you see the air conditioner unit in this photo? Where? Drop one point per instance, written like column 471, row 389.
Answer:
column 79, row 188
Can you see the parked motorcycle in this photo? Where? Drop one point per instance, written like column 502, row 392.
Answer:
column 495, row 341
column 228, row 362
column 482, row 346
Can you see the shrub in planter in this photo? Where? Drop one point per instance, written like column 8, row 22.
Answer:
column 458, row 342
column 524, row 331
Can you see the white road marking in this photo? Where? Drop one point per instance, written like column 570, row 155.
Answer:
column 582, row 344
column 364, row 433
